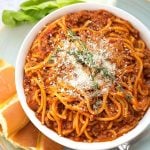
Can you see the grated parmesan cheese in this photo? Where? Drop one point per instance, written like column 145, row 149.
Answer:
column 81, row 79
column 78, row 77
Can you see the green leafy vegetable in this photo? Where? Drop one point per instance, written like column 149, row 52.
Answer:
column 41, row 13
column 28, row 3
column 41, row 6
column 14, row 18
column 62, row 3
column 33, row 10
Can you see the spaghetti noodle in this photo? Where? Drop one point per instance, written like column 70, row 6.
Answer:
column 86, row 76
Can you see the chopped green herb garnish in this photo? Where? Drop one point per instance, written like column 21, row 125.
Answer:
column 97, row 104
column 128, row 96
column 86, row 58
column 95, row 85
column 97, row 70
column 52, row 59
column 83, row 57
column 83, row 45
column 59, row 49
column 105, row 72
column 72, row 35
column 119, row 88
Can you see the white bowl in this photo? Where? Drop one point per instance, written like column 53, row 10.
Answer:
column 145, row 35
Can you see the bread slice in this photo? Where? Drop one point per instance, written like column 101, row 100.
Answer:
column 12, row 118
column 7, row 86
column 26, row 138
column 45, row 143
column 1, row 134
column 7, row 83
column 14, row 124
column 3, row 64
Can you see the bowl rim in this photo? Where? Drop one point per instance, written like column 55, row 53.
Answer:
column 145, row 34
